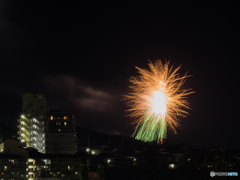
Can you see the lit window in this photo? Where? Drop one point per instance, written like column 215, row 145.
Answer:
column 58, row 117
column 68, row 167
column 59, row 129
column 5, row 167
column 65, row 117
column 51, row 118
column 65, row 123
column 171, row 166
column 76, row 173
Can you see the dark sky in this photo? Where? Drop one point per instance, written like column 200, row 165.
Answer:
column 81, row 55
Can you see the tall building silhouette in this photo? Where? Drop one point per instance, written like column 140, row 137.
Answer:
column 51, row 132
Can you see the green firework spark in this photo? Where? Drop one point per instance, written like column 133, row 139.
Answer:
column 151, row 127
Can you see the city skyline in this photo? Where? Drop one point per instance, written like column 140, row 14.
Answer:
column 80, row 56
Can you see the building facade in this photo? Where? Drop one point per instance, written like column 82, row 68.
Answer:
column 48, row 167
column 60, row 132
column 30, row 128
column 17, row 163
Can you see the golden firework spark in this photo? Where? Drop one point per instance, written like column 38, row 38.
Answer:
column 156, row 101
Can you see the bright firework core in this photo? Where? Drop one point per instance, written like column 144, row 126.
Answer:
column 159, row 103
column 156, row 100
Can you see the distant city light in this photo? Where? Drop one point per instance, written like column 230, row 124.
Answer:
column 188, row 159
column 134, row 159
column 93, row 152
column 87, row 149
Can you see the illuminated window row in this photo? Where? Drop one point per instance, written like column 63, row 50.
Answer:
column 58, row 123
column 64, row 117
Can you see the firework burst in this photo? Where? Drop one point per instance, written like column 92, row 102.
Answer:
column 156, row 101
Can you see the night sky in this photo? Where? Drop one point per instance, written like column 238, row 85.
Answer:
column 81, row 55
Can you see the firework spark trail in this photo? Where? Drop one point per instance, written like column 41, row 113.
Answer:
column 156, row 101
